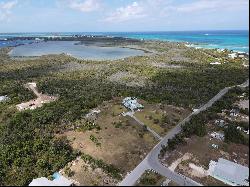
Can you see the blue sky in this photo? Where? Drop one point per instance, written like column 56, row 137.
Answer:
column 122, row 15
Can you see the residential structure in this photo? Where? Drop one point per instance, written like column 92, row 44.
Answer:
column 220, row 123
column 229, row 172
column 58, row 181
column 215, row 146
column 218, row 136
column 234, row 112
column 232, row 55
column 132, row 103
column 3, row 98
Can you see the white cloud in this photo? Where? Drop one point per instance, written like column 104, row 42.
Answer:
column 212, row 5
column 130, row 12
column 85, row 6
column 5, row 10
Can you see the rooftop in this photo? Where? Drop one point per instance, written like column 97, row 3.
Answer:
column 59, row 181
column 230, row 172
column 131, row 103
column 3, row 98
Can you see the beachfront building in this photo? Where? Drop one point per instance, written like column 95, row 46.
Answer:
column 59, row 180
column 4, row 98
column 229, row 172
column 132, row 103
column 232, row 55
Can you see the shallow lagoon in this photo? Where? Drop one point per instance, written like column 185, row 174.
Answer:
column 90, row 52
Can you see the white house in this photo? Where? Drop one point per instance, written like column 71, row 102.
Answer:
column 195, row 110
column 215, row 63
column 4, row 98
column 132, row 103
column 239, row 128
column 229, row 172
column 218, row 136
column 220, row 50
column 232, row 55
column 215, row 146
column 60, row 181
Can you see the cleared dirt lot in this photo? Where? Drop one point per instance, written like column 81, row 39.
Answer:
column 121, row 141
column 202, row 152
column 38, row 102
column 83, row 174
column 123, row 145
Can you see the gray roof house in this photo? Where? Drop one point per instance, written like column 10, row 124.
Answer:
column 229, row 172
column 132, row 103
column 234, row 112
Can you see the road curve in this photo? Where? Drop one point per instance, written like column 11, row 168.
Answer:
column 152, row 161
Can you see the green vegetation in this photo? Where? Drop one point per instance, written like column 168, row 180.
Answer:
column 28, row 144
column 95, row 140
column 69, row 172
column 150, row 178
column 86, row 126
column 197, row 124
column 96, row 163
column 118, row 124
column 232, row 134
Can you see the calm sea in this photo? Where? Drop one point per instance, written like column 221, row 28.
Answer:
column 233, row 40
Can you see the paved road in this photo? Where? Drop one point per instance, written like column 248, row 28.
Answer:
column 152, row 161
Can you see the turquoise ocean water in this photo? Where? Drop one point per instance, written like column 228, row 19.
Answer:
column 232, row 40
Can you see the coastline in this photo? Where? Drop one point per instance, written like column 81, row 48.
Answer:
column 107, row 42
column 236, row 41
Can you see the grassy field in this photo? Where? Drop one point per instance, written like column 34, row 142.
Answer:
column 161, row 118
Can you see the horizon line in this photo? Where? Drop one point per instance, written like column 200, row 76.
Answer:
column 123, row 31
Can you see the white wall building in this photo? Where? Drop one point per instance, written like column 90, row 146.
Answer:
column 229, row 172
column 232, row 55
column 61, row 181
column 4, row 98
column 132, row 103
column 218, row 136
